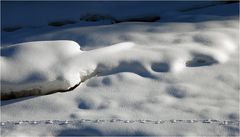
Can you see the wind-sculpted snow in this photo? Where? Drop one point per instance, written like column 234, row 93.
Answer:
column 43, row 67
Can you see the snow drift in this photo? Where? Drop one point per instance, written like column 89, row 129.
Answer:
column 43, row 67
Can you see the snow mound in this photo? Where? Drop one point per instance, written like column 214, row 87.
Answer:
column 31, row 68
column 37, row 68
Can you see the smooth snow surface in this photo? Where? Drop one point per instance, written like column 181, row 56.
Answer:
column 123, row 79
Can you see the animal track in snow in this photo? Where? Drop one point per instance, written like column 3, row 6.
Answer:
column 141, row 121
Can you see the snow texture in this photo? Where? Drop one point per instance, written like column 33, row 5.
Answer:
column 177, row 76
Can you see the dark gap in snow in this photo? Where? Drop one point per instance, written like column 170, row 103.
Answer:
column 97, row 17
column 141, row 19
column 201, row 60
column 61, row 23
column 11, row 29
column 71, row 88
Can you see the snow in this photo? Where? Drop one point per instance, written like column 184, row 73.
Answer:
column 60, row 65
column 133, row 74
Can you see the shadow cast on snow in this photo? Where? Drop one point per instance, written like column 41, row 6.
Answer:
column 91, row 131
column 7, row 102
column 134, row 67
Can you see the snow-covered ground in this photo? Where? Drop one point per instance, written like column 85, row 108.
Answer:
column 175, row 76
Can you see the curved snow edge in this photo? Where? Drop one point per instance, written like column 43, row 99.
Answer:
column 32, row 92
column 42, row 89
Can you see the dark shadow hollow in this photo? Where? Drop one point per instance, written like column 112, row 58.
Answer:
column 134, row 67
column 201, row 60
